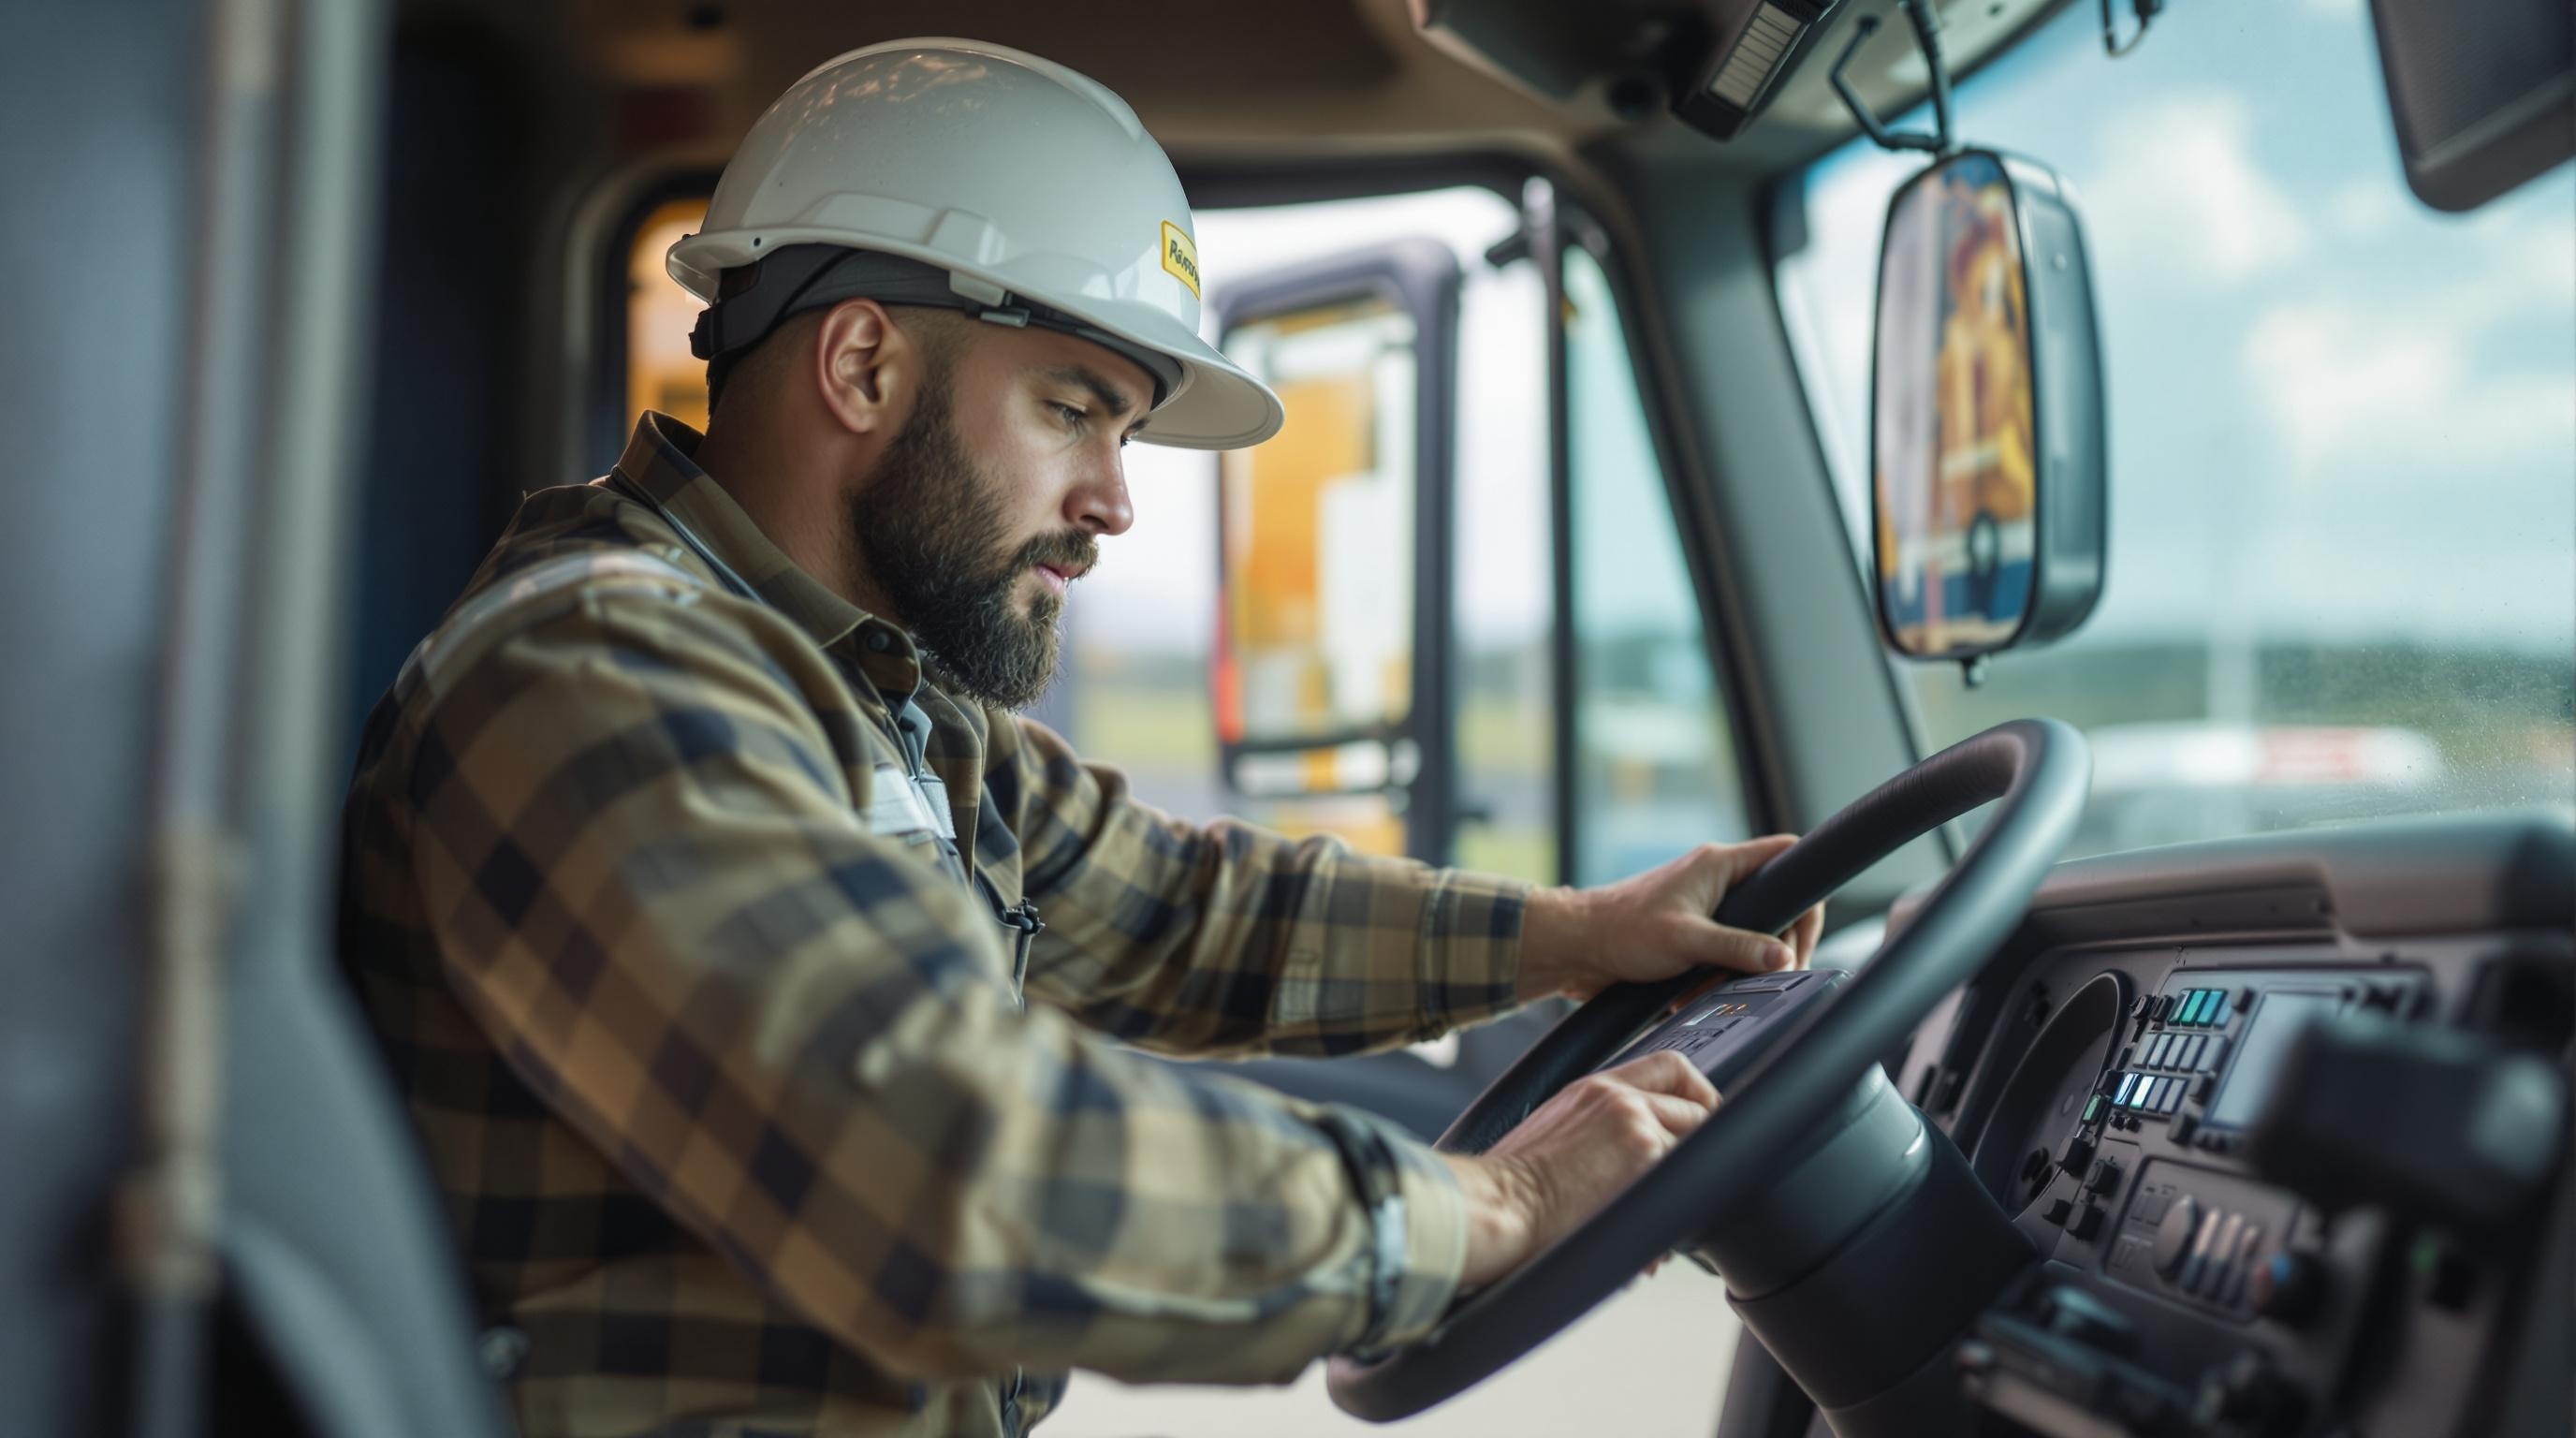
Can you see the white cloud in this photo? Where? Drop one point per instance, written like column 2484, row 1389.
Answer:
column 2188, row 198
column 2362, row 209
column 2532, row 254
column 2355, row 389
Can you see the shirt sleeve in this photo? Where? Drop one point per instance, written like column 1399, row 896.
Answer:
column 640, row 858
column 1229, row 939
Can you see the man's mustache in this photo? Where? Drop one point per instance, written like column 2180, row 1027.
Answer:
column 1070, row 553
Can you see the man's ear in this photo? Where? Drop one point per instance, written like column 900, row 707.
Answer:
column 865, row 367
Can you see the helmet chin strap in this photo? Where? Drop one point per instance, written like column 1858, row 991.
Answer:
column 798, row 278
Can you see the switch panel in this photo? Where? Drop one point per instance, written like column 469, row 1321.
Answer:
column 2199, row 1237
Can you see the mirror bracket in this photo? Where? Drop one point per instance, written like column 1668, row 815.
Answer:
column 1927, row 37
column 2145, row 11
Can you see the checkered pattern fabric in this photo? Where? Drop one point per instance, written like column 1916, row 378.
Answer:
column 736, row 1114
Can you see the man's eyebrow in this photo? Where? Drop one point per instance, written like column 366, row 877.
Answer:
column 1103, row 388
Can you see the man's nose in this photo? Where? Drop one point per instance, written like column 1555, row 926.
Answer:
column 1098, row 504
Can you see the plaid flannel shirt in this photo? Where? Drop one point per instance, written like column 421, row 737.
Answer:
column 738, row 1117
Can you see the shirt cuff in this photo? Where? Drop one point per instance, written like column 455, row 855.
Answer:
column 1470, row 943
column 1416, row 1246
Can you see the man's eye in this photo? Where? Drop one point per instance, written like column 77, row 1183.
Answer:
column 1072, row 417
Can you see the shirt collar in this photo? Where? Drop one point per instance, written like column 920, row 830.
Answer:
column 660, row 461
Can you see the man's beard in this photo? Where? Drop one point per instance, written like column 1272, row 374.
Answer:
column 929, row 525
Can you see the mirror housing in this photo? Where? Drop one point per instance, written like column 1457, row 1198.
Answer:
column 1989, row 496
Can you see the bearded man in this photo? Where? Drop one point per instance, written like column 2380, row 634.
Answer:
column 764, row 987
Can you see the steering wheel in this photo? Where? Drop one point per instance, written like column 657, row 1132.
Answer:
column 2040, row 770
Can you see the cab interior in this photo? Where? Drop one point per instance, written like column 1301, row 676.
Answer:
column 2261, row 1078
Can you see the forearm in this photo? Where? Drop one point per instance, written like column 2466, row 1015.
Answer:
column 1226, row 939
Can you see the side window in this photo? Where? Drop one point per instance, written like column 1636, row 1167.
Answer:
column 1655, row 763
column 660, row 372
column 1502, row 673
column 1141, row 628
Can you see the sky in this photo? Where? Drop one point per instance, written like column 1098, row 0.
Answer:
column 2336, row 415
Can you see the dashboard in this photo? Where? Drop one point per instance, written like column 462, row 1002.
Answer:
column 2284, row 1120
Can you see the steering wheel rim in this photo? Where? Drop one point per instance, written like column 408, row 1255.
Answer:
column 2039, row 770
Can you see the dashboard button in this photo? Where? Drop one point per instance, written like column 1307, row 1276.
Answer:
column 2173, row 1236
column 2059, row 1210
column 2196, row 1262
column 2222, row 1259
column 1766, row 983
column 2077, row 1154
column 2088, row 1222
column 2106, row 1176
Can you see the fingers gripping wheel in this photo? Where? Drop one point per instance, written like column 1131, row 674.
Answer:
column 2037, row 768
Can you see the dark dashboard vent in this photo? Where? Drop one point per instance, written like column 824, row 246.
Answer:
column 2526, row 1002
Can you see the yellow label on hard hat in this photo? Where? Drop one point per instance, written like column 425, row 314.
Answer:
column 1181, row 256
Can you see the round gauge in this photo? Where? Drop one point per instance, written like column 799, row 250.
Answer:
column 2043, row 1101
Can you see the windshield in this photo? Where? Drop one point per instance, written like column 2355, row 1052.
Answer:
column 2343, row 433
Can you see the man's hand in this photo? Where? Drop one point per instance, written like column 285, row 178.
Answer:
column 1578, row 942
column 1579, row 1151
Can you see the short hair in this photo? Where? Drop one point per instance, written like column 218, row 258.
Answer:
column 940, row 333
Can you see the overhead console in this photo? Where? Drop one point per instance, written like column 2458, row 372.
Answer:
column 2286, row 1119
column 1717, row 64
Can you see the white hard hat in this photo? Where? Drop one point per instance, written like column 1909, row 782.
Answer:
column 1034, row 188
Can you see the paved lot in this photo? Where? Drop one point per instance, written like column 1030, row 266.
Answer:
column 1647, row 1364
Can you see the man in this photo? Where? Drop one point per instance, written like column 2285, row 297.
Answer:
column 752, row 972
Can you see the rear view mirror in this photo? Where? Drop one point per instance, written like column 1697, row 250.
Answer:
column 1987, row 464
column 1330, row 674
column 2483, row 96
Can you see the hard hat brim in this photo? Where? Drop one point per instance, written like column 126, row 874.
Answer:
column 1217, row 404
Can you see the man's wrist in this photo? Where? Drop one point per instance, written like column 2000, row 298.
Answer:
column 1552, row 924
column 1499, row 1221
